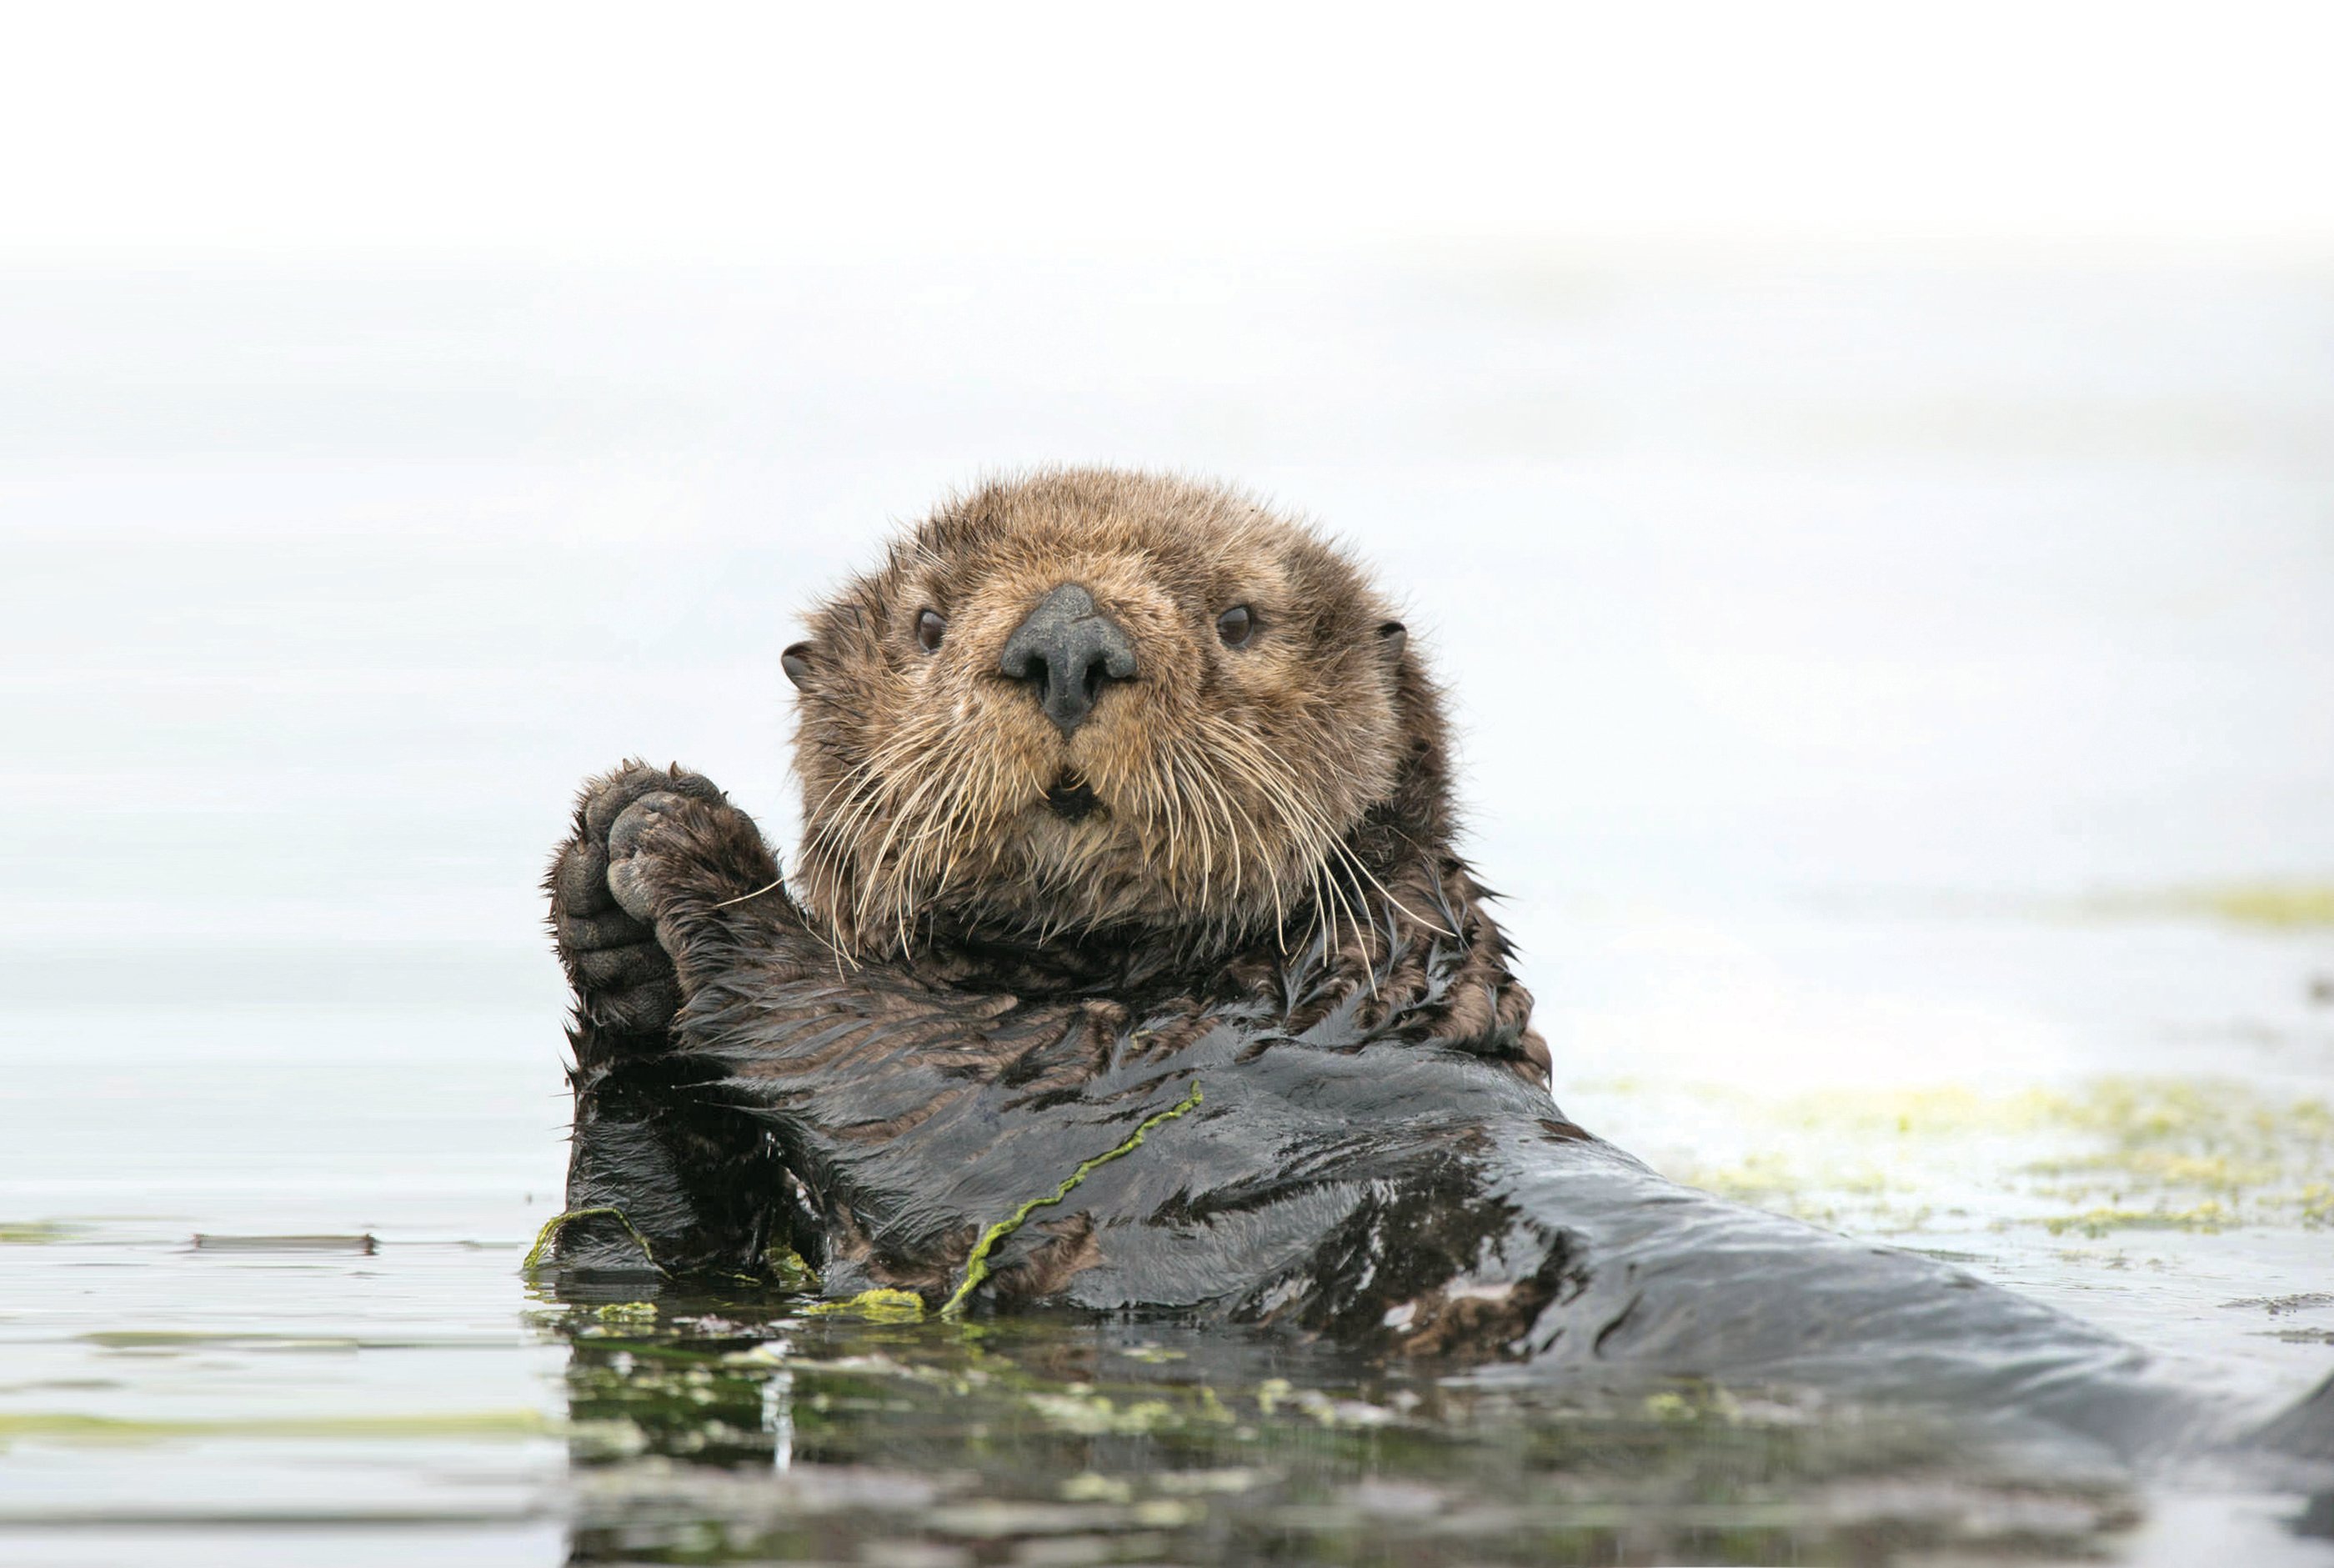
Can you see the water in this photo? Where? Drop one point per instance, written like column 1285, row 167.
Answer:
column 1887, row 691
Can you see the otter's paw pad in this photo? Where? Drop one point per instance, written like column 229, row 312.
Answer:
column 630, row 840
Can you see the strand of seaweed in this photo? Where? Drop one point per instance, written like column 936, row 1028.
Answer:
column 976, row 1263
column 557, row 1222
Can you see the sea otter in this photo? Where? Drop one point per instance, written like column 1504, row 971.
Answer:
column 1128, row 964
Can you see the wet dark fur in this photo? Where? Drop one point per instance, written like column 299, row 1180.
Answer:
column 1376, row 1158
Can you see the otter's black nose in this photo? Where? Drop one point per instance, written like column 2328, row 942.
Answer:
column 1065, row 650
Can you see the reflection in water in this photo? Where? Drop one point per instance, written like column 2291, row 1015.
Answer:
column 716, row 1431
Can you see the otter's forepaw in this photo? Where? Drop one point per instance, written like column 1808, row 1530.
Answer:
column 644, row 835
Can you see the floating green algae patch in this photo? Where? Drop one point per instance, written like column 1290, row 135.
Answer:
column 2271, row 905
column 787, row 1271
column 1090, row 1414
column 880, row 1307
column 2114, row 1154
column 975, row 1264
column 62, row 1427
column 2241, row 1157
column 2208, row 1217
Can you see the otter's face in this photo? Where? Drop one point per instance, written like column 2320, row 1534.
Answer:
column 1091, row 700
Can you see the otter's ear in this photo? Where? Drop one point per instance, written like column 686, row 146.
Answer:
column 796, row 662
column 1393, row 638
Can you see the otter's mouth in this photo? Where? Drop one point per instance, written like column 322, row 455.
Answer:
column 1071, row 797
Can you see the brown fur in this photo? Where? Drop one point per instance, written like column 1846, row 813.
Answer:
column 1228, row 777
column 1251, row 800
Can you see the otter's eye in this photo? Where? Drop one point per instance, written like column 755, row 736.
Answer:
column 1236, row 626
column 929, row 630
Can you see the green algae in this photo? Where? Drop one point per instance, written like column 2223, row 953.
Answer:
column 1693, row 1404
column 880, row 1307
column 786, row 1270
column 2187, row 1155
column 2210, row 1156
column 2209, row 1217
column 1089, row 1414
column 975, row 1264
column 2280, row 906
column 2317, row 1205
column 559, row 1222
column 470, row 1425
column 2265, row 905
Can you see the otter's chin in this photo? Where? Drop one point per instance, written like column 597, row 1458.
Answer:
column 1070, row 839
column 1071, row 798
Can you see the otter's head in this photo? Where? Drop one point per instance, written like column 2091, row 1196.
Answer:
column 1092, row 700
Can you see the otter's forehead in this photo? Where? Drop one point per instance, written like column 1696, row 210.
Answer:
column 1194, row 543
column 1101, row 508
